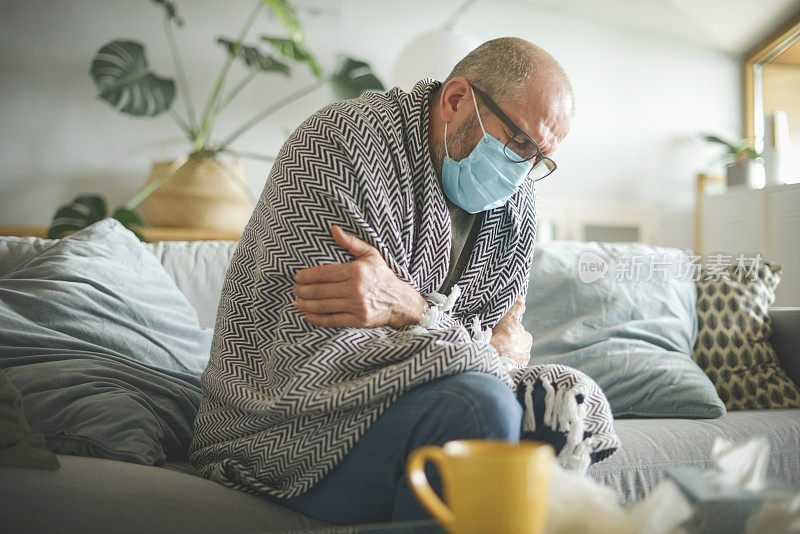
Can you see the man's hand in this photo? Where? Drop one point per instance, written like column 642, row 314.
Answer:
column 510, row 338
column 364, row 293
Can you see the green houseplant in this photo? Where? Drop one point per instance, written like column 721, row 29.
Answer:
column 739, row 158
column 124, row 80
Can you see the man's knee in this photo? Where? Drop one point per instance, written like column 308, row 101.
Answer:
column 474, row 406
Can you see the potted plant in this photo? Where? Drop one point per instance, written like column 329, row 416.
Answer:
column 201, row 189
column 739, row 158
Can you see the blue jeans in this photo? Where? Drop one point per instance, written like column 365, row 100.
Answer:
column 369, row 484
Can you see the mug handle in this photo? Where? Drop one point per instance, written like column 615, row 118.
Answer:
column 415, row 470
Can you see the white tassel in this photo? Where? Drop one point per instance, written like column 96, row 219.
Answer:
column 455, row 292
column 431, row 317
column 437, row 298
column 479, row 335
column 441, row 305
column 562, row 413
column 529, row 423
column 575, row 455
column 549, row 403
column 577, row 458
column 558, row 407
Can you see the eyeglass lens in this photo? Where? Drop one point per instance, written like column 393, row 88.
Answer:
column 542, row 168
column 520, row 148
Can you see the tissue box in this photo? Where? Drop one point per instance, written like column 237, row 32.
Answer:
column 718, row 510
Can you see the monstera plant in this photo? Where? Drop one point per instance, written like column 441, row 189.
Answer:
column 124, row 80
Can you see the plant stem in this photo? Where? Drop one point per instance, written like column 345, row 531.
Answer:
column 218, row 109
column 181, row 123
column 231, row 95
column 250, row 155
column 205, row 120
column 155, row 184
column 270, row 110
column 176, row 58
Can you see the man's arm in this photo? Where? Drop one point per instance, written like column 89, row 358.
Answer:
column 366, row 293
column 363, row 293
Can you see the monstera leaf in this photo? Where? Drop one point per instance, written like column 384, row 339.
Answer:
column 253, row 57
column 85, row 210
column 123, row 80
column 295, row 51
column 170, row 11
column 129, row 220
column 287, row 17
column 352, row 77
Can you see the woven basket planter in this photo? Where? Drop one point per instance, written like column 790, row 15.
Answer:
column 203, row 193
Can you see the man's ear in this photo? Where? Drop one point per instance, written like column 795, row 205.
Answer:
column 455, row 95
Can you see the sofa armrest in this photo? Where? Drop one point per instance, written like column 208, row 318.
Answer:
column 785, row 339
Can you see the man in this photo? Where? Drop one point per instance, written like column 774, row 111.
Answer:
column 334, row 355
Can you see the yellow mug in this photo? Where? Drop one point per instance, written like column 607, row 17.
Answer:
column 490, row 486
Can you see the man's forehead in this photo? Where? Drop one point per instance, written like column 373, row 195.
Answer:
column 541, row 113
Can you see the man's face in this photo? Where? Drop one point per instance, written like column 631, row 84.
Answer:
column 543, row 113
column 461, row 140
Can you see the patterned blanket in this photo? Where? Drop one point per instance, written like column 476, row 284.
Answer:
column 284, row 401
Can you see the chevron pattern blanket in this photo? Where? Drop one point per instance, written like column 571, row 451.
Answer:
column 283, row 400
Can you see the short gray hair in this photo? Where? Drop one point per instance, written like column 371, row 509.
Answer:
column 502, row 67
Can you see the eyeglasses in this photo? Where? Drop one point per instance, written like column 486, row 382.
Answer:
column 521, row 147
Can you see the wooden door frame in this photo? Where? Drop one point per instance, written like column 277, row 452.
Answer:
column 776, row 43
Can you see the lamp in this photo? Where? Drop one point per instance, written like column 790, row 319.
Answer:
column 434, row 53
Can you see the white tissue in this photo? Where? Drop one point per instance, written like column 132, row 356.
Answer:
column 580, row 505
column 780, row 514
column 740, row 465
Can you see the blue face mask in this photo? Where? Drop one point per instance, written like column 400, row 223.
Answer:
column 486, row 178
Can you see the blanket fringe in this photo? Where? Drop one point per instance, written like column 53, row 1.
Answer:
column 479, row 334
column 562, row 413
column 442, row 305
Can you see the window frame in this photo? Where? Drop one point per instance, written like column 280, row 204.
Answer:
column 761, row 55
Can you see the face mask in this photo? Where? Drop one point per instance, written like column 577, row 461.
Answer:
column 486, row 178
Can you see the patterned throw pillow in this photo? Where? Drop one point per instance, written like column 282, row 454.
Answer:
column 733, row 337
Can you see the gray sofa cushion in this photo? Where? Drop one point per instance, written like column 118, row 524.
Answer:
column 105, row 350
column 785, row 339
column 649, row 446
column 93, row 495
column 198, row 269
column 634, row 337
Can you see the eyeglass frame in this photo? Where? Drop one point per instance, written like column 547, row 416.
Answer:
column 515, row 131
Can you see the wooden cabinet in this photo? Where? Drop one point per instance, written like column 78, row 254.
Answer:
column 150, row 234
column 587, row 220
column 764, row 221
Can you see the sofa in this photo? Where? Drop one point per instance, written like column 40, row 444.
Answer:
column 101, row 495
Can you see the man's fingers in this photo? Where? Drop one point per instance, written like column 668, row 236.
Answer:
column 336, row 320
column 323, row 291
column 353, row 244
column 323, row 274
column 324, row 306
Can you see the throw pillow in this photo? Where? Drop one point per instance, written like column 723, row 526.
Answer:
column 624, row 314
column 19, row 446
column 733, row 337
column 104, row 348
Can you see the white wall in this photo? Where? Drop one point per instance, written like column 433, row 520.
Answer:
column 639, row 98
